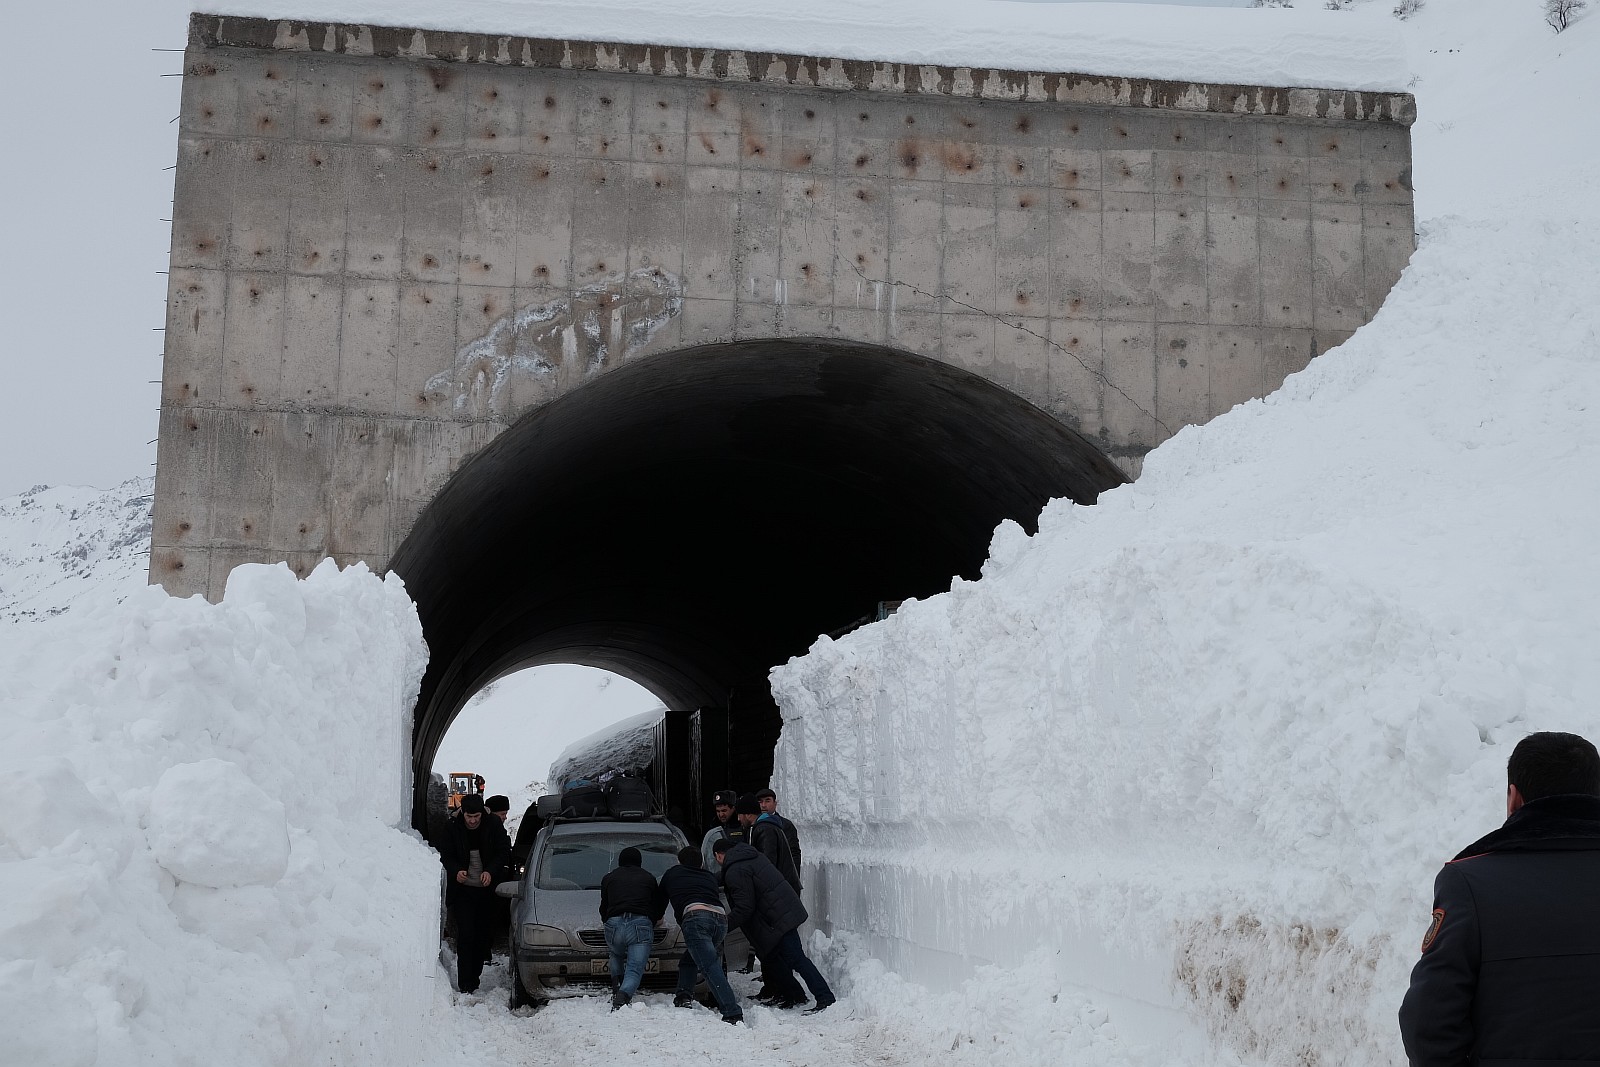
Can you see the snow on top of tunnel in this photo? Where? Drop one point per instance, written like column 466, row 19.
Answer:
column 1358, row 49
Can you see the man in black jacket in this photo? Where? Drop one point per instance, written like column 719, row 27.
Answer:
column 765, row 833
column 1510, row 967
column 631, row 903
column 697, row 904
column 769, row 807
column 769, row 911
column 474, row 854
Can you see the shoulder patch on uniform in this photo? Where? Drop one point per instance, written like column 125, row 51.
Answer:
column 1433, row 930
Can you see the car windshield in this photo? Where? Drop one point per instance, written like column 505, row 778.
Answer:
column 579, row 861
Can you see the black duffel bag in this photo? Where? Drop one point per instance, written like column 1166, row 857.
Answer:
column 582, row 799
column 628, row 797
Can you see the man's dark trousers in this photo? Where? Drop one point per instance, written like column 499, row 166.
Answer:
column 794, row 960
column 474, row 915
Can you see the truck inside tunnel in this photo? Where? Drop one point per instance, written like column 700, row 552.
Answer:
column 692, row 519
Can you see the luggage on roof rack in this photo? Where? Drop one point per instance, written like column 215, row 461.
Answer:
column 582, row 799
column 628, row 797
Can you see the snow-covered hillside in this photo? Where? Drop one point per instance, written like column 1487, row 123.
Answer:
column 61, row 546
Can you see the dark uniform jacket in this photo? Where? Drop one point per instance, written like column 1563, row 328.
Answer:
column 1510, row 969
column 690, row 885
column 631, row 891
column 768, row 838
column 761, row 901
column 494, row 850
column 793, row 835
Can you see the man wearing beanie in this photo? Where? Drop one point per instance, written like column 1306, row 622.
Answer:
column 631, row 903
column 697, row 904
column 473, row 854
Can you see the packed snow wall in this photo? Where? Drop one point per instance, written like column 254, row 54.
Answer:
column 1203, row 746
column 199, row 850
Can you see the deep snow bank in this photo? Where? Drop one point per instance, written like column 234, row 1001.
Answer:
column 1208, row 741
column 197, row 854
column 1211, row 737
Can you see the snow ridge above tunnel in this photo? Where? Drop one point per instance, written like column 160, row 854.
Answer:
column 1309, row 48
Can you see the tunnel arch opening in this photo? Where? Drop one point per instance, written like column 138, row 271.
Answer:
column 516, row 728
column 692, row 519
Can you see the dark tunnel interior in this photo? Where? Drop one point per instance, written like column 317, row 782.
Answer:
column 693, row 519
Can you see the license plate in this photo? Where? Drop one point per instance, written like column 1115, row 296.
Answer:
column 651, row 966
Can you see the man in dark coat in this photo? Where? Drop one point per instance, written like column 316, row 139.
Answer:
column 767, row 908
column 1510, row 967
column 769, row 806
column 631, row 903
column 765, row 834
column 474, row 855
column 697, row 904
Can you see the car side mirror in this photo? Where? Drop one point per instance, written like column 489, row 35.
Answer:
column 508, row 889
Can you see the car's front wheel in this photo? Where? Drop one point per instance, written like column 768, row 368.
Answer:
column 520, row 997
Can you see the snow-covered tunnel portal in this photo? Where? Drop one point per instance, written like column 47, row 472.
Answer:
column 693, row 519
column 407, row 263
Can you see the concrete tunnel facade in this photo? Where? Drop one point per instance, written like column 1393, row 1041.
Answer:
column 668, row 360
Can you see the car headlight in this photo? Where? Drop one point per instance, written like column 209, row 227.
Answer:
column 534, row 934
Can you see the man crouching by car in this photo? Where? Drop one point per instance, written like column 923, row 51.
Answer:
column 697, row 904
column 631, row 903
column 766, row 907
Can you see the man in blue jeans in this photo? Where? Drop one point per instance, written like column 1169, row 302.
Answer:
column 697, row 903
column 631, row 903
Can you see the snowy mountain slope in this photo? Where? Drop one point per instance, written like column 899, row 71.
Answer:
column 61, row 546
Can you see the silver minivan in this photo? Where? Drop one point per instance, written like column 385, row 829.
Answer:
column 558, row 944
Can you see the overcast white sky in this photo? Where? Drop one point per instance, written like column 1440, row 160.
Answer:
column 87, row 136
